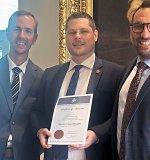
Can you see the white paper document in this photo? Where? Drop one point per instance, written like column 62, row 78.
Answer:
column 70, row 119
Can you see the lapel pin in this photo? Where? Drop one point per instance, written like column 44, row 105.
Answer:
column 97, row 71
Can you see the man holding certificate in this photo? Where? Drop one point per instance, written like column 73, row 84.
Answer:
column 79, row 92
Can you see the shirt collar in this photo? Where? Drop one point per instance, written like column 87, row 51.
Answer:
column 88, row 63
column 146, row 61
column 12, row 65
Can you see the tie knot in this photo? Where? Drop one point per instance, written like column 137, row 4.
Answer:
column 142, row 66
column 16, row 70
column 78, row 67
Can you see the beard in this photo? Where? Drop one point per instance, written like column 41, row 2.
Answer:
column 143, row 53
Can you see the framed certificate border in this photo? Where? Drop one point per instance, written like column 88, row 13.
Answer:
column 70, row 120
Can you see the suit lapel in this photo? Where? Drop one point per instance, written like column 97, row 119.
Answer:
column 116, row 105
column 58, row 80
column 27, row 82
column 5, row 82
column 95, row 75
column 128, row 71
column 143, row 91
column 145, row 88
column 94, row 78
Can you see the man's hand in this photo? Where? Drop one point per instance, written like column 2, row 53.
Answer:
column 90, row 139
column 43, row 134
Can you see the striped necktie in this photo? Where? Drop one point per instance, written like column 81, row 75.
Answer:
column 15, row 84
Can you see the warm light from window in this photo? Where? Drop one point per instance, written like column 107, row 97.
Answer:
column 7, row 7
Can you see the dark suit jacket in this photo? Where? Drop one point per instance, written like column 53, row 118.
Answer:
column 17, row 121
column 103, row 85
column 137, row 134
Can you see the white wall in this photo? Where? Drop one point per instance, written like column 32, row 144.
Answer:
column 45, row 51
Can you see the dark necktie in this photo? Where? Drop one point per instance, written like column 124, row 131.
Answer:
column 15, row 84
column 63, row 150
column 74, row 80
column 129, row 107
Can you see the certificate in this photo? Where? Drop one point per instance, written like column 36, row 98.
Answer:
column 70, row 120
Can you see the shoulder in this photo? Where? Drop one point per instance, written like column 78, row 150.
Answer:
column 4, row 60
column 35, row 69
column 109, row 65
column 51, row 72
column 4, row 66
column 56, row 68
column 111, row 69
column 112, row 64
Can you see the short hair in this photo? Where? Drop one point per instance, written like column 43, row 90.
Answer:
column 76, row 15
column 22, row 13
column 135, row 6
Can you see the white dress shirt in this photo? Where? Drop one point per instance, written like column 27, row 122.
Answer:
column 123, row 95
column 83, row 81
column 22, row 67
column 21, row 74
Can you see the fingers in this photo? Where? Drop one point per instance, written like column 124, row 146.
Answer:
column 90, row 139
column 77, row 146
column 43, row 135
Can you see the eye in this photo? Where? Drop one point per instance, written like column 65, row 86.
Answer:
column 29, row 31
column 72, row 33
column 84, row 32
column 137, row 26
column 17, row 29
column 148, row 25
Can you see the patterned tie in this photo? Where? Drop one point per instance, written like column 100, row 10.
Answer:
column 131, row 97
column 15, row 84
column 74, row 80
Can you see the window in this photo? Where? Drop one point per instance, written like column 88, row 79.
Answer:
column 7, row 8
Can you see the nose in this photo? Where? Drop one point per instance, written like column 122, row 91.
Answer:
column 78, row 35
column 21, row 33
column 145, row 33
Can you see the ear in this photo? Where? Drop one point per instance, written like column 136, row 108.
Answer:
column 96, row 34
column 35, row 38
column 131, row 33
column 130, row 28
column 7, row 33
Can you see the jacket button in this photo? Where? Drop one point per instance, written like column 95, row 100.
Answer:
column 13, row 123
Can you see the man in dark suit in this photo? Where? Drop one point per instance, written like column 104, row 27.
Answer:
column 130, row 127
column 17, row 141
column 96, row 76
